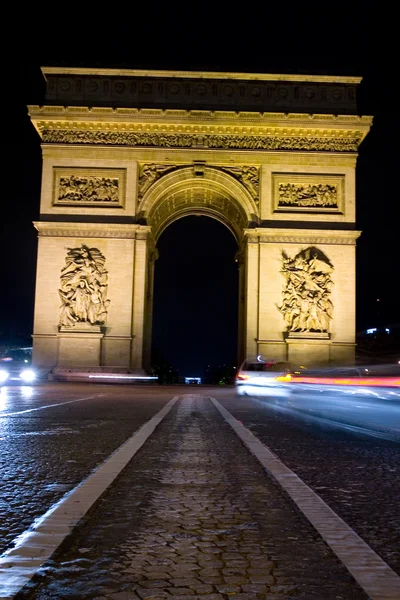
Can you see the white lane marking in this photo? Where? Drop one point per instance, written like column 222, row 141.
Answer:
column 33, row 547
column 20, row 412
column 375, row 576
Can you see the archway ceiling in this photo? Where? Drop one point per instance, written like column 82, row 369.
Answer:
column 197, row 200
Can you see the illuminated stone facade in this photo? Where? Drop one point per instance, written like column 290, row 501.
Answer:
column 126, row 153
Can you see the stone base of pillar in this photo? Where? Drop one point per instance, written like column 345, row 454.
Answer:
column 308, row 351
column 343, row 353
column 272, row 350
column 79, row 348
column 308, row 335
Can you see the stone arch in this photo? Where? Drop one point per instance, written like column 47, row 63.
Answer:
column 207, row 191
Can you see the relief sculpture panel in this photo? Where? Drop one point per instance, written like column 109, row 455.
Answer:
column 306, row 305
column 89, row 187
column 308, row 193
column 83, row 290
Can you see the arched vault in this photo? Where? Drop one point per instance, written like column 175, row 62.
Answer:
column 211, row 193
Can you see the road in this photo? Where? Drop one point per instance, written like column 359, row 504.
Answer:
column 56, row 436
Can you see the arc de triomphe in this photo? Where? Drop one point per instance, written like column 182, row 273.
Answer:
column 126, row 153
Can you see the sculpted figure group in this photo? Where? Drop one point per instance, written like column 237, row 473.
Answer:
column 88, row 189
column 320, row 195
column 306, row 305
column 83, row 291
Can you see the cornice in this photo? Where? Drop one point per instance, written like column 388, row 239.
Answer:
column 303, row 236
column 92, row 230
column 201, row 75
column 98, row 114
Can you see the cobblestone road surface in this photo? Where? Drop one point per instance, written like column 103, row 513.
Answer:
column 193, row 515
column 357, row 476
column 45, row 453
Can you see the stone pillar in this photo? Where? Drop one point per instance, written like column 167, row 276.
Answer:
column 139, row 302
column 105, row 345
column 268, row 323
column 241, row 353
column 251, row 295
column 149, row 300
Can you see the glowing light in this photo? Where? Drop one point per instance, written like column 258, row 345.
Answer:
column 364, row 381
column 3, row 398
column 3, row 376
column 286, row 377
column 242, row 376
column 27, row 391
column 28, row 375
column 121, row 377
column 372, row 330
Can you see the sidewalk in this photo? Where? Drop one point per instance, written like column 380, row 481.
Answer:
column 193, row 515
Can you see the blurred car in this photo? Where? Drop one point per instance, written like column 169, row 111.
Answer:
column 259, row 376
column 15, row 367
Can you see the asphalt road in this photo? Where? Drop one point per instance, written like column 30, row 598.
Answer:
column 53, row 436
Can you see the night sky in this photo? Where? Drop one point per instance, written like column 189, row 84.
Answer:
column 196, row 282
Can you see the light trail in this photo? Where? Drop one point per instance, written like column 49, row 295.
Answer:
column 364, row 381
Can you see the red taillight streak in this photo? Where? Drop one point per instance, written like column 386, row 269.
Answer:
column 242, row 376
column 364, row 381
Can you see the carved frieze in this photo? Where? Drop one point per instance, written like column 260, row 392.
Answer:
column 248, row 176
column 89, row 187
column 210, row 141
column 307, row 192
column 83, row 289
column 306, row 305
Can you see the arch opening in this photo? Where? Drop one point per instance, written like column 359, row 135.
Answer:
column 214, row 193
column 195, row 309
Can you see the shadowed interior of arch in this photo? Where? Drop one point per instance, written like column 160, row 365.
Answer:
column 195, row 316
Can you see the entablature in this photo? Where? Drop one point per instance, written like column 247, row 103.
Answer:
column 199, row 129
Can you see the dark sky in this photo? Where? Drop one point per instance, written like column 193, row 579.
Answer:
column 334, row 44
